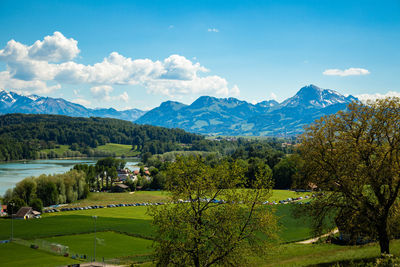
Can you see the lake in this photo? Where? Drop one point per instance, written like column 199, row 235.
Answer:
column 13, row 172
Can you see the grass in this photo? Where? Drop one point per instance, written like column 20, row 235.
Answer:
column 130, row 220
column 321, row 254
column 59, row 150
column 292, row 229
column 15, row 255
column 102, row 198
column 285, row 194
column 119, row 149
column 68, row 224
column 109, row 245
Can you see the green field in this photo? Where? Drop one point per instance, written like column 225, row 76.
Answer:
column 111, row 148
column 58, row 150
column 124, row 234
column 108, row 245
column 121, row 198
column 119, row 149
column 15, row 255
column 310, row 255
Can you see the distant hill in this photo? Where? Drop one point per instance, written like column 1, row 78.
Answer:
column 230, row 116
column 11, row 102
column 25, row 136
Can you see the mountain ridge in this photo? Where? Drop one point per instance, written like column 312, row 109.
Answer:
column 11, row 102
column 206, row 115
column 231, row 116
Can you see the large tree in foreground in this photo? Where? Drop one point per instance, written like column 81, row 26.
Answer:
column 212, row 221
column 353, row 157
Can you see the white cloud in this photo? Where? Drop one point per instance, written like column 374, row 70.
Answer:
column 365, row 97
column 212, row 30
column 346, row 72
column 234, row 91
column 51, row 61
column 54, row 48
column 102, row 93
column 82, row 102
column 124, row 97
column 26, row 87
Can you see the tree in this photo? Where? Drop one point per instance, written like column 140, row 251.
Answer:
column 36, row 204
column 353, row 157
column 283, row 173
column 219, row 224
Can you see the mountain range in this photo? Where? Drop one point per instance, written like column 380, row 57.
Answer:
column 11, row 102
column 230, row 116
column 207, row 115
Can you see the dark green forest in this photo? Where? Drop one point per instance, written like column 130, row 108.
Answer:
column 22, row 136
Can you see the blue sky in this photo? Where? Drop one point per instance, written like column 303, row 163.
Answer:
column 136, row 54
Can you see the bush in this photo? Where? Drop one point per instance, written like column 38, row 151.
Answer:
column 36, row 204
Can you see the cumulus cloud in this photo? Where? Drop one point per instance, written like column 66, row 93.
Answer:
column 234, row 91
column 82, row 102
column 346, row 72
column 103, row 92
column 51, row 60
column 212, row 30
column 26, row 87
column 365, row 97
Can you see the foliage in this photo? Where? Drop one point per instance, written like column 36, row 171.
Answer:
column 49, row 189
column 14, row 204
column 23, row 136
column 283, row 172
column 354, row 158
column 219, row 225
column 36, row 204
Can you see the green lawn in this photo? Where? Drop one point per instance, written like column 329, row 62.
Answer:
column 119, row 149
column 108, row 245
column 131, row 220
column 121, row 198
column 285, row 194
column 59, row 150
column 15, row 255
column 305, row 255
column 68, row 224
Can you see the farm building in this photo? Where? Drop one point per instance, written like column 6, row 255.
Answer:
column 26, row 213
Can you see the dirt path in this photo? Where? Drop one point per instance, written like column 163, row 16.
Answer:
column 315, row 239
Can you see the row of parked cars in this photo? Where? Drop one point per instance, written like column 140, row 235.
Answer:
column 288, row 200
column 285, row 201
column 101, row 207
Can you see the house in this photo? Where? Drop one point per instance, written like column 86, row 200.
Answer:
column 123, row 174
column 120, row 188
column 26, row 213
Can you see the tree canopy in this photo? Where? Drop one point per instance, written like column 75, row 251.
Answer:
column 353, row 157
column 213, row 220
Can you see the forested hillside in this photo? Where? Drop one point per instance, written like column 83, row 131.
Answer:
column 23, row 136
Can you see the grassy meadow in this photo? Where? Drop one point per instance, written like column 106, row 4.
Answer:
column 118, row 149
column 125, row 234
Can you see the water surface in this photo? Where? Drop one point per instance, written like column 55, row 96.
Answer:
column 13, row 172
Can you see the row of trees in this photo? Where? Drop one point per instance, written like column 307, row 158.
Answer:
column 102, row 175
column 48, row 190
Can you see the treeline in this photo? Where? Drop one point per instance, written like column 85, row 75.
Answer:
column 46, row 190
column 102, row 175
column 23, row 136
column 252, row 155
